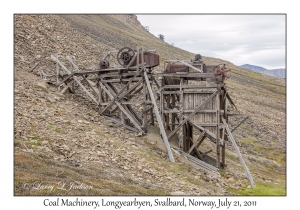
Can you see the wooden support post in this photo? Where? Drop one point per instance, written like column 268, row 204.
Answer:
column 122, row 113
column 180, row 134
column 223, row 155
column 218, row 132
column 162, row 130
column 167, row 114
column 238, row 153
column 144, row 125
column 173, row 114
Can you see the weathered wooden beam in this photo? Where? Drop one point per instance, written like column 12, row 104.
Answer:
column 188, row 111
column 205, row 153
column 118, row 80
column 71, row 61
column 61, row 65
column 238, row 125
column 198, row 142
column 34, row 67
column 188, row 75
column 120, row 95
column 162, row 129
column 192, row 114
column 238, row 153
column 122, row 108
column 67, row 86
column 188, row 86
column 91, row 87
column 132, row 60
column 76, row 79
column 189, row 65
column 64, row 80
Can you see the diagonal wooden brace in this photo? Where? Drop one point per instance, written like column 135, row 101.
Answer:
column 238, row 153
column 191, row 115
column 198, row 142
column 162, row 129
column 75, row 79
column 120, row 95
column 122, row 109
column 238, row 125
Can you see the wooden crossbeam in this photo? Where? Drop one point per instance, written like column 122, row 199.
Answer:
column 192, row 114
column 238, row 125
column 91, row 87
column 132, row 60
column 73, row 64
column 162, row 129
column 198, row 142
column 75, row 79
column 189, row 65
column 238, row 153
column 67, row 86
column 122, row 108
column 205, row 153
column 64, row 80
column 117, row 97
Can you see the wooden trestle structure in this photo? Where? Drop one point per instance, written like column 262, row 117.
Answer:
column 192, row 102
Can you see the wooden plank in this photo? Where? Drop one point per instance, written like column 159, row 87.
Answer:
column 188, row 86
column 192, row 114
column 64, row 80
column 173, row 114
column 119, row 96
column 218, row 139
column 67, row 86
column 118, row 80
column 223, row 155
column 35, row 65
column 61, row 65
column 144, row 105
column 94, row 90
column 132, row 60
column 129, row 102
column 198, row 142
column 180, row 133
column 122, row 109
column 238, row 153
column 238, row 125
column 162, row 130
column 189, row 65
column 188, row 75
column 76, row 79
column 71, row 61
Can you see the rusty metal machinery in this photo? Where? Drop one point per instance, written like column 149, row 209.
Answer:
column 104, row 64
column 221, row 72
column 126, row 54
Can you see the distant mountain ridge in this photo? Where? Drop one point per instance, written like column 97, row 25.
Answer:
column 280, row 73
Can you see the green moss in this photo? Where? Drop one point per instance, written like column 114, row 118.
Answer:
column 57, row 130
column 262, row 188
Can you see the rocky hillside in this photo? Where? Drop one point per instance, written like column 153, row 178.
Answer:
column 59, row 138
